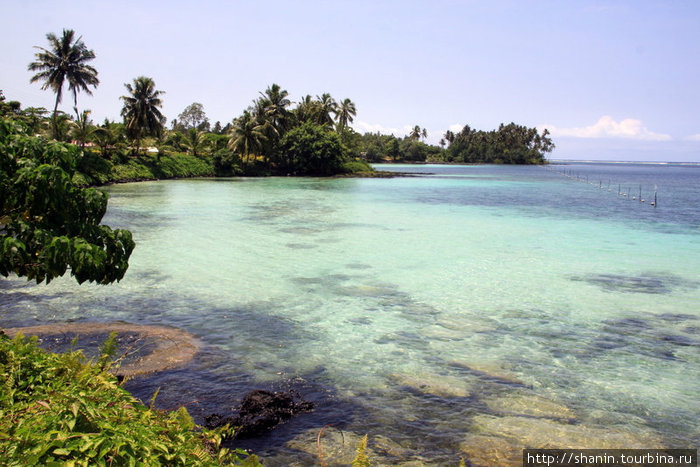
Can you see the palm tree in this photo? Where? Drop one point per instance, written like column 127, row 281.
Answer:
column 275, row 103
column 306, row 109
column 64, row 60
column 61, row 126
column 247, row 136
column 346, row 112
column 140, row 111
column 415, row 133
column 326, row 106
column 83, row 128
column 195, row 140
column 105, row 137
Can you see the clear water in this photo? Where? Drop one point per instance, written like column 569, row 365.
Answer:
column 366, row 295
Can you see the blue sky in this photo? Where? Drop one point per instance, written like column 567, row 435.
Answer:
column 617, row 80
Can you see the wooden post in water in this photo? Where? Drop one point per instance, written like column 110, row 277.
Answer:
column 640, row 193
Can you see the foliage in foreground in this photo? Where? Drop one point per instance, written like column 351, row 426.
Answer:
column 59, row 409
column 48, row 224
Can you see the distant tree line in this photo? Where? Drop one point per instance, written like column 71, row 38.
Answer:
column 316, row 129
column 509, row 144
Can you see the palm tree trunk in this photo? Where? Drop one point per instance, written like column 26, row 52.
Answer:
column 55, row 121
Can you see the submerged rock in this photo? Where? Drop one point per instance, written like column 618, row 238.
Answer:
column 260, row 411
column 492, row 372
column 330, row 445
column 650, row 283
column 333, row 447
column 369, row 291
column 500, row 440
column 430, row 383
column 530, row 405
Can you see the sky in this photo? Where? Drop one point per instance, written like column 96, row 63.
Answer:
column 611, row 80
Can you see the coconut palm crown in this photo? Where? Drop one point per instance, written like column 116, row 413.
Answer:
column 345, row 113
column 141, row 113
column 65, row 60
column 247, row 136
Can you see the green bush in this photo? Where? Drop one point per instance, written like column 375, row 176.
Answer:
column 311, row 149
column 94, row 168
column 226, row 163
column 356, row 167
column 59, row 409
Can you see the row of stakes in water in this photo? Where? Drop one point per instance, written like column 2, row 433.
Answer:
column 572, row 175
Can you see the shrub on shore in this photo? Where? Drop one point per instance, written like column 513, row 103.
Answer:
column 61, row 409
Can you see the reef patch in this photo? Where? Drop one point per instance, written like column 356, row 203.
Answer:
column 142, row 348
column 649, row 283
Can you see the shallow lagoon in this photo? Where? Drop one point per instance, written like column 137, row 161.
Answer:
column 465, row 313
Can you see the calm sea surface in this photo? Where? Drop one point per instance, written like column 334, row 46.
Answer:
column 466, row 311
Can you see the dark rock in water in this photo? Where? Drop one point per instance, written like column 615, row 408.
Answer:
column 680, row 340
column 631, row 325
column 619, row 283
column 260, row 411
column 651, row 283
column 676, row 317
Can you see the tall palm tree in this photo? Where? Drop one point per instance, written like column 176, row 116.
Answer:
column 141, row 114
column 346, row 112
column 247, row 136
column 275, row 102
column 326, row 106
column 65, row 60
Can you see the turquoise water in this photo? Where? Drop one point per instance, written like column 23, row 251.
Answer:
column 433, row 311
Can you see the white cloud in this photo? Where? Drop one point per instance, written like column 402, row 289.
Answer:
column 376, row 127
column 607, row 127
column 694, row 137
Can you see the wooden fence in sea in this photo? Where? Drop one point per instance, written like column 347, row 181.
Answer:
column 607, row 187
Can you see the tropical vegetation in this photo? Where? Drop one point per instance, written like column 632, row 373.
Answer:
column 61, row 409
column 251, row 143
column 48, row 225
